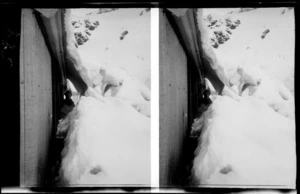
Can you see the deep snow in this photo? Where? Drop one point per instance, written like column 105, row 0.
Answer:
column 107, row 134
column 251, row 139
column 248, row 135
column 108, row 143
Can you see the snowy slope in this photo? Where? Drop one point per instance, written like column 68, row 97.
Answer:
column 120, row 45
column 105, row 48
column 258, row 50
column 108, row 143
column 274, row 54
column 107, row 135
column 249, row 138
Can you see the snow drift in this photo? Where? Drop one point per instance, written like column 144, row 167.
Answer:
column 245, row 143
column 107, row 143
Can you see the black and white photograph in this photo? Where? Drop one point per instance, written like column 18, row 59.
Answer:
column 227, row 106
column 84, row 96
column 149, row 97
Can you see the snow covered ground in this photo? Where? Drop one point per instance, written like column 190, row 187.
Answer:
column 106, row 49
column 108, row 132
column 108, row 143
column 274, row 54
column 250, row 139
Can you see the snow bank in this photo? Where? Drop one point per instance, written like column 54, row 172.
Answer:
column 114, row 82
column 239, row 144
column 208, row 49
column 72, row 55
column 277, row 96
column 107, row 143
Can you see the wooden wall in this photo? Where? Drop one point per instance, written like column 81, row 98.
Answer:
column 35, row 101
column 173, row 102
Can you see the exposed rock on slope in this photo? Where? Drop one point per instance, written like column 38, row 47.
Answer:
column 83, row 28
column 221, row 28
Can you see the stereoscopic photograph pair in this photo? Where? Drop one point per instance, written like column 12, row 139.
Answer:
column 81, row 83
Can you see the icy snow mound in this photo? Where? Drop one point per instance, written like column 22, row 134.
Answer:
column 244, row 143
column 208, row 50
column 136, row 93
column 107, row 143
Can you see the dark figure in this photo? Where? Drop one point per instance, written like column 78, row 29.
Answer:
column 68, row 104
column 68, row 100
column 206, row 100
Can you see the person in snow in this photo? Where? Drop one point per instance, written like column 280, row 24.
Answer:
column 68, row 104
column 199, row 121
column 206, row 100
